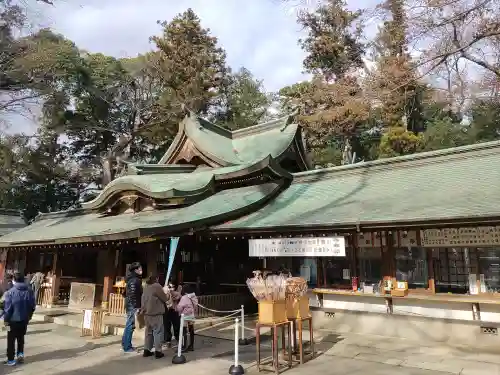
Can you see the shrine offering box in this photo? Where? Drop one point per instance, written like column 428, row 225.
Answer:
column 401, row 289
column 297, row 308
column 272, row 312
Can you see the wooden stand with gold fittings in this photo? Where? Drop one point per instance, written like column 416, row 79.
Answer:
column 272, row 314
column 297, row 313
column 92, row 323
column 400, row 290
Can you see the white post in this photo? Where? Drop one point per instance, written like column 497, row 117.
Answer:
column 181, row 337
column 236, row 340
column 242, row 323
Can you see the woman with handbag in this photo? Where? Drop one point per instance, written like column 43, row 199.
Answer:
column 187, row 306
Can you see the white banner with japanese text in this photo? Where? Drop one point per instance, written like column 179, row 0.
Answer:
column 297, row 247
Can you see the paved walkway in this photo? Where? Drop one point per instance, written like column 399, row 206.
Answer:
column 53, row 349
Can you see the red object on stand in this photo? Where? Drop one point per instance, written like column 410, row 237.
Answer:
column 355, row 284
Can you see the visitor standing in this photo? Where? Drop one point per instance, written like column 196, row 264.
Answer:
column 187, row 306
column 171, row 319
column 133, row 293
column 19, row 306
column 36, row 284
column 153, row 303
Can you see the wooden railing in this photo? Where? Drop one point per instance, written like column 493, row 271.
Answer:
column 223, row 302
column 116, row 304
column 45, row 297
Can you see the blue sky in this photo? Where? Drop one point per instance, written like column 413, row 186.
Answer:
column 261, row 35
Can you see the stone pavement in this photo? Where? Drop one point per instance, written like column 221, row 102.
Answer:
column 53, row 349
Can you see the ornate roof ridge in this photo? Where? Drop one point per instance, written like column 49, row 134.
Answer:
column 142, row 169
column 218, row 174
column 194, row 123
column 280, row 122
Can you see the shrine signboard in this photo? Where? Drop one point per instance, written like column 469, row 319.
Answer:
column 297, row 247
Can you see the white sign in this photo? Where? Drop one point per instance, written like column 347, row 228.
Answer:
column 346, row 274
column 87, row 319
column 297, row 247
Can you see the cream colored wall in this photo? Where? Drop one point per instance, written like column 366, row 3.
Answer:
column 408, row 307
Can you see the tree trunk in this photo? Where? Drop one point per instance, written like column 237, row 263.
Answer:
column 347, row 153
column 107, row 170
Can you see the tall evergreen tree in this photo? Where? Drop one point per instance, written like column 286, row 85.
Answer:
column 393, row 85
column 395, row 77
column 332, row 106
column 243, row 101
column 190, row 65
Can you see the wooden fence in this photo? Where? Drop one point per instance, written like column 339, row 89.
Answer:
column 221, row 302
column 224, row 302
column 45, row 297
column 116, row 304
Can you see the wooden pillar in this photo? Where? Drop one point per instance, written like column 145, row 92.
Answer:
column 21, row 265
column 3, row 262
column 111, row 259
column 56, row 276
column 391, row 252
column 152, row 252
column 431, row 274
column 388, row 257
column 353, row 242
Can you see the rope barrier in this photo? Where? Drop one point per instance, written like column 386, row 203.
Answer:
column 219, row 311
column 212, row 320
column 236, row 368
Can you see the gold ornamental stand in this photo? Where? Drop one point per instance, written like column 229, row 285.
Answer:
column 285, row 326
column 272, row 314
column 298, row 312
column 298, row 326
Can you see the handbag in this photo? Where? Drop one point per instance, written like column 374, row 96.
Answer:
column 139, row 319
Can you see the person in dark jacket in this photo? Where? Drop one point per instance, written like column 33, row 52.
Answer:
column 19, row 306
column 133, row 294
column 8, row 283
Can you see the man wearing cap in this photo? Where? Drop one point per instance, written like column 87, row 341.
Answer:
column 132, row 304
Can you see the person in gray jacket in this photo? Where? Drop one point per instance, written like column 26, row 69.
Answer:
column 153, row 304
column 36, row 283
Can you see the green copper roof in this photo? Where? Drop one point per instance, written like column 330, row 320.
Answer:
column 170, row 185
column 68, row 227
column 444, row 185
column 10, row 221
column 235, row 147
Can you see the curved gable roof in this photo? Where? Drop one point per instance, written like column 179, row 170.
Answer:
column 172, row 185
column 237, row 147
